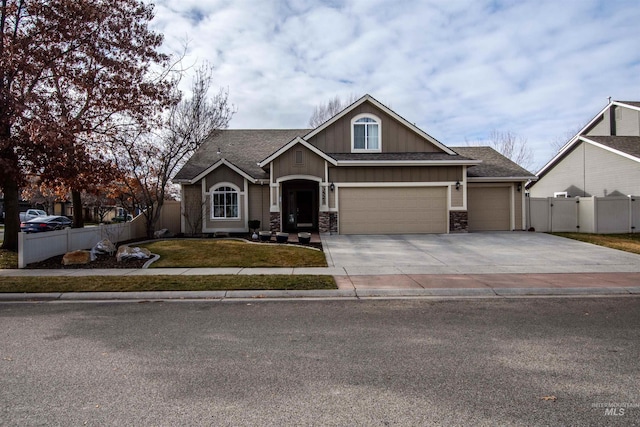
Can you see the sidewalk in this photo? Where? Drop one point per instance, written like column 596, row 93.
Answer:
column 356, row 286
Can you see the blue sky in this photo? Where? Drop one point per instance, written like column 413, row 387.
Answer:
column 457, row 69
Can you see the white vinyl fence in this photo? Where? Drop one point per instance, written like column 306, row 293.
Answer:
column 36, row 247
column 601, row 215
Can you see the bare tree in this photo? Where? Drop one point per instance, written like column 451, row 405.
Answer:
column 558, row 142
column 150, row 159
column 510, row 145
column 323, row 112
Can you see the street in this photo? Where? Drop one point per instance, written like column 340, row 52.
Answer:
column 545, row 361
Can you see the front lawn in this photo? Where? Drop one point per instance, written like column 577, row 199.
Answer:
column 164, row 283
column 623, row 242
column 194, row 253
column 8, row 259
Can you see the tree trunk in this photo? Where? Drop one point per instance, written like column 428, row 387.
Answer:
column 11, row 214
column 78, row 214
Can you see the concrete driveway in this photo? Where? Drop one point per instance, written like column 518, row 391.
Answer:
column 472, row 253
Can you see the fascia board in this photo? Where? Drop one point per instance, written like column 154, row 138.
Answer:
column 219, row 163
column 572, row 142
column 388, row 111
column 502, row 178
column 612, row 150
column 622, row 104
column 292, row 143
column 407, row 162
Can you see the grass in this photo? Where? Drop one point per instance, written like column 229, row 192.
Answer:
column 164, row 283
column 196, row 253
column 8, row 259
column 623, row 242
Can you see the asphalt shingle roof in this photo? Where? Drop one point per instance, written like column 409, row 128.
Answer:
column 493, row 164
column 633, row 103
column 626, row 144
column 243, row 148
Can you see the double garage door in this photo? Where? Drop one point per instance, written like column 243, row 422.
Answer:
column 393, row 210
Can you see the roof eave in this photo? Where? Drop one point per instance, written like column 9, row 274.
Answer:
column 501, row 178
column 289, row 145
column 408, row 162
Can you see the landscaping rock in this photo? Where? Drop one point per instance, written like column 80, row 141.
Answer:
column 126, row 253
column 104, row 247
column 160, row 234
column 76, row 258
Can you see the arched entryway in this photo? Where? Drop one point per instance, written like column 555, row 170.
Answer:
column 300, row 205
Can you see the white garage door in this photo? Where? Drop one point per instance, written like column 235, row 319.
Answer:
column 489, row 208
column 397, row 210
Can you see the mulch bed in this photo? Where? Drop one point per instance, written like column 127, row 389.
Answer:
column 102, row 261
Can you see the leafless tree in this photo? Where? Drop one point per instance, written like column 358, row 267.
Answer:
column 558, row 142
column 193, row 213
column 510, row 145
column 151, row 159
column 323, row 112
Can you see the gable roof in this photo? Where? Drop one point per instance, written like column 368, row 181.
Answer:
column 628, row 146
column 494, row 165
column 291, row 144
column 243, row 148
column 387, row 110
column 622, row 146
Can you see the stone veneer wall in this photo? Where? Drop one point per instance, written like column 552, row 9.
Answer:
column 328, row 222
column 275, row 221
column 458, row 221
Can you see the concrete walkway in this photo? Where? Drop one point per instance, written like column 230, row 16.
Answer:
column 469, row 265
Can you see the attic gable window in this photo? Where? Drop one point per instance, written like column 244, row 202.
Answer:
column 366, row 133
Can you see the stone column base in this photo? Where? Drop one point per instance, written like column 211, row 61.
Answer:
column 328, row 222
column 274, row 222
column 458, row 222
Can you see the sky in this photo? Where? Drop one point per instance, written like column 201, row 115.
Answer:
column 459, row 70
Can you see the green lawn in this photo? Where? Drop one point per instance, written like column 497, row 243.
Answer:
column 195, row 253
column 165, row 283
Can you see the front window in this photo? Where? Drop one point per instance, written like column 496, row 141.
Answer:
column 366, row 134
column 225, row 203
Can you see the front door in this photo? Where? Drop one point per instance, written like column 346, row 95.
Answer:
column 300, row 206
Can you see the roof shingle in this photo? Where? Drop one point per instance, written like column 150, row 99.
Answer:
column 493, row 165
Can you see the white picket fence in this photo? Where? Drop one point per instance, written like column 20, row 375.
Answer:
column 601, row 215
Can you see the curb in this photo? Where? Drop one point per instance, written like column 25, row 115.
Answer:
column 318, row 294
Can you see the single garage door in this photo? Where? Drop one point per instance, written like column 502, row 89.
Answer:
column 396, row 210
column 489, row 208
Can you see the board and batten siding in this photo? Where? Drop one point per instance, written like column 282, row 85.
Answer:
column 396, row 174
column 627, row 122
column 595, row 171
column 396, row 137
column 223, row 174
column 259, row 204
column 298, row 160
column 192, row 209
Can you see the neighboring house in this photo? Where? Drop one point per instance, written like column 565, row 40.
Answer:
column 602, row 160
column 365, row 171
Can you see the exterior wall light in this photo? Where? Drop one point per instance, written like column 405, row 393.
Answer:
column 458, row 185
column 332, row 187
column 519, row 187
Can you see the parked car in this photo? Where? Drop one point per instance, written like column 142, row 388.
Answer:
column 45, row 223
column 31, row 214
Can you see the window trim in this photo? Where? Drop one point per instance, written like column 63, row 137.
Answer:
column 215, row 190
column 353, row 141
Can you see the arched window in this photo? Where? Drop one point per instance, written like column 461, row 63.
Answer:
column 365, row 133
column 224, row 203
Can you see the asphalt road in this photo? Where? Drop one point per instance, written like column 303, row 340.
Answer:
column 391, row 362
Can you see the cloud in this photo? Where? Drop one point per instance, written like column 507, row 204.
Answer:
column 457, row 69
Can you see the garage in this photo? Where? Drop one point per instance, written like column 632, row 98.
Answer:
column 392, row 210
column 489, row 208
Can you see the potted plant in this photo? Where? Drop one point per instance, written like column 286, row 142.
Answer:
column 265, row 236
column 254, row 224
column 282, row 237
column 304, row 238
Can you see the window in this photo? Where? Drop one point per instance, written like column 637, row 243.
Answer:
column 365, row 133
column 224, row 203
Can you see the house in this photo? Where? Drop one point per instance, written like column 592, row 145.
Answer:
column 367, row 170
column 601, row 160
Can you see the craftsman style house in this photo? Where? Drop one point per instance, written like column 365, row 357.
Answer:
column 603, row 159
column 367, row 170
